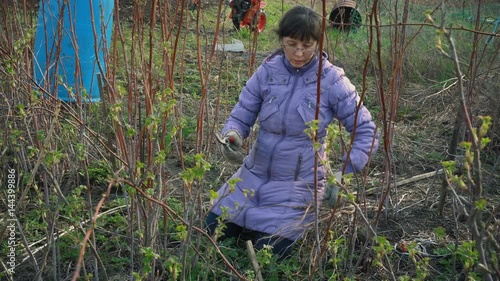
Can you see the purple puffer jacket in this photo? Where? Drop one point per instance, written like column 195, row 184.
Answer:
column 276, row 192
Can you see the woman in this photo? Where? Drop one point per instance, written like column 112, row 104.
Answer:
column 274, row 199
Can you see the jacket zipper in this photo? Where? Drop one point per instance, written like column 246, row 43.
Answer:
column 283, row 126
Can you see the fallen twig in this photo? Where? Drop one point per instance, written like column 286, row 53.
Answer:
column 372, row 190
column 419, row 177
column 253, row 259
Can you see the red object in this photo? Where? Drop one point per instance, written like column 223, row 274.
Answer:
column 403, row 247
column 256, row 8
column 248, row 13
column 245, row 13
column 231, row 139
column 261, row 22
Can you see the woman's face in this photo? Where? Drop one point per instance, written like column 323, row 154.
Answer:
column 298, row 52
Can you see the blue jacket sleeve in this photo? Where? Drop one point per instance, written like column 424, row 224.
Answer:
column 246, row 110
column 357, row 120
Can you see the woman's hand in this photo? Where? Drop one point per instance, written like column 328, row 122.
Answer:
column 331, row 195
column 332, row 190
column 231, row 147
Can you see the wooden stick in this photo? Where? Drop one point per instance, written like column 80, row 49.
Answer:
column 372, row 190
column 419, row 177
column 253, row 259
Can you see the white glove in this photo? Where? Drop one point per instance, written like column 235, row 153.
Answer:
column 231, row 147
column 332, row 190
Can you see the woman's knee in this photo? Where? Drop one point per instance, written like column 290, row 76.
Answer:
column 211, row 222
column 230, row 229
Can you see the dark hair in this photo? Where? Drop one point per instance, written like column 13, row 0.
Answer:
column 301, row 23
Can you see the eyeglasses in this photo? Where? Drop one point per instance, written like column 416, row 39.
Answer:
column 294, row 49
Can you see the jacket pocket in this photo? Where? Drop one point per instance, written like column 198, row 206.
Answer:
column 307, row 110
column 269, row 107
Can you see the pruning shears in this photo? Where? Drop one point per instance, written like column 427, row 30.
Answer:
column 225, row 141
